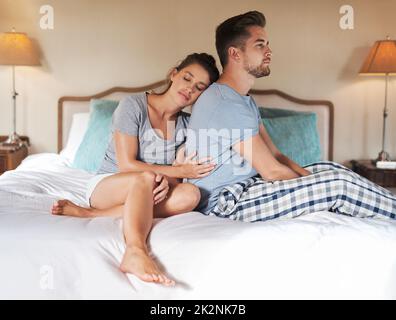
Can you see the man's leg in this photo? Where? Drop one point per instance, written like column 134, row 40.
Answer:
column 330, row 165
column 336, row 190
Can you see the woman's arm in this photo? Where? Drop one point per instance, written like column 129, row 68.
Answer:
column 281, row 157
column 127, row 147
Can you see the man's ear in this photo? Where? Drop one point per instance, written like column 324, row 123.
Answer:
column 173, row 73
column 234, row 54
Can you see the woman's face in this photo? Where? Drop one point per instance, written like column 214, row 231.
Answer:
column 188, row 84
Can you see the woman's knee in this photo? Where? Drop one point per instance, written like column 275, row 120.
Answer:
column 145, row 178
column 191, row 196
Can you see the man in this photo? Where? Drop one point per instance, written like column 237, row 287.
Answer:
column 226, row 126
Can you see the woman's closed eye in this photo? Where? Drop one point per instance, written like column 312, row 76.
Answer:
column 198, row 87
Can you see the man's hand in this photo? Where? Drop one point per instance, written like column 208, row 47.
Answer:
column 304, row 172
column 292, row 165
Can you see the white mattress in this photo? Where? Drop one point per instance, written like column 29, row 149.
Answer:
column 317, row 256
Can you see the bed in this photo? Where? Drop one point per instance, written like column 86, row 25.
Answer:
column 318, row 256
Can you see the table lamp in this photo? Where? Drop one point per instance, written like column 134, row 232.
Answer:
column 382, row 61
column 16, row 49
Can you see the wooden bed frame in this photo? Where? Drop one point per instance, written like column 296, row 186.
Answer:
column 266, row 97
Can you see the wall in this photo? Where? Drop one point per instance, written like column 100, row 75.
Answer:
column 99, row 44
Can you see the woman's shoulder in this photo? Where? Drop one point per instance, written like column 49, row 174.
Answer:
column 135, row 103
column 131, row 108
column 136, row 99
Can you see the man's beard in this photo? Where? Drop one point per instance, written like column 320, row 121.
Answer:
column 258, row 72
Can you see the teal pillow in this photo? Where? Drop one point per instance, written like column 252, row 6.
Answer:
column 91, row 151
column 294, row 133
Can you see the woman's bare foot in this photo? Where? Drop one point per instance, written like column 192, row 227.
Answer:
column 68, row 208
column 138, row 262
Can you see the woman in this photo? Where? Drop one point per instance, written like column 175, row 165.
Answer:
column 136, row 180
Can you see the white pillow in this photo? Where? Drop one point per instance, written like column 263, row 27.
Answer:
column 76, row 134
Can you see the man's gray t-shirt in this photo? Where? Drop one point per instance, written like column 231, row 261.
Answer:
column 131, row 118
column 220, row 118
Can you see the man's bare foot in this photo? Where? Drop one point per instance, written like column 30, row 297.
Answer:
column 138, row 262
column 68, row 208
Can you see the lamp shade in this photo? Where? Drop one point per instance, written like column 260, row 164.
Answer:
column 17, row 49
column 381, row 59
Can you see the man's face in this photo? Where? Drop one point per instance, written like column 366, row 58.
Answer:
column 257, row 54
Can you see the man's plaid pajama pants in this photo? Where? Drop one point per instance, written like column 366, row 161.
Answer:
column 330, row 187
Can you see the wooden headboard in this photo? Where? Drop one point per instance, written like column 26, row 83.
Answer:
column 324, row 110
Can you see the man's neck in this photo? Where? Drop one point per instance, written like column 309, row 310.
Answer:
column 239, row 80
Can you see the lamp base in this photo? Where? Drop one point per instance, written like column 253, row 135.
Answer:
column 13, row 140
column 383, row 156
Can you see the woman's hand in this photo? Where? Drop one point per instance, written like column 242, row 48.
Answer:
column 180, row 156
column 161, row 191
column 193, row 169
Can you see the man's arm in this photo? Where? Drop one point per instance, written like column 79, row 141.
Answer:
column 279, row 156
column 256, row 151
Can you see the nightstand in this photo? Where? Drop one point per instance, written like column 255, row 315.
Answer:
column 383, row 177
column 12, row 156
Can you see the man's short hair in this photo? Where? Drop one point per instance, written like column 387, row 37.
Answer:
column 234, row 32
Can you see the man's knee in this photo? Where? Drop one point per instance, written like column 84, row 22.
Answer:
column 341, row 180
column 346, row 175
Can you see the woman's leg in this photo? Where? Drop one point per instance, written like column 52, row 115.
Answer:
column 135, row 192
column 137, row 222
column 181, row 198
column 133, row 200
column 68, row 208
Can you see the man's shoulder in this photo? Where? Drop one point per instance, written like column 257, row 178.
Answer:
column 210, row 95
column 219, row 96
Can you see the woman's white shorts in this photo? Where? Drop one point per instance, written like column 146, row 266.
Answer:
column 92, row 183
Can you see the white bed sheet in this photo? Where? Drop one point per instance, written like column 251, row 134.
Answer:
column 317, row 256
